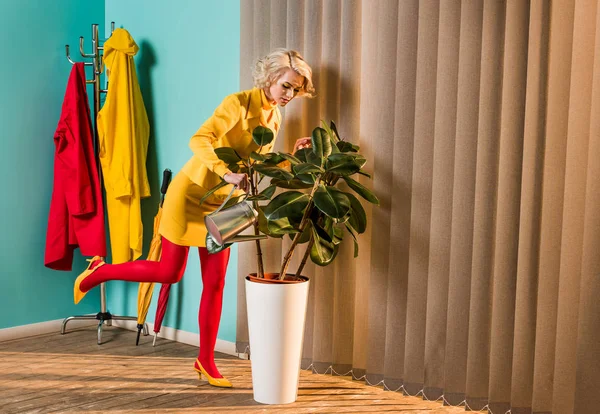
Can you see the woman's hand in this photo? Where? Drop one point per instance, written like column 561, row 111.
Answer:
column 302, row 143
column 239, row 180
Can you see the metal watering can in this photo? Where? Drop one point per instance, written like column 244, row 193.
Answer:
column 224, row 225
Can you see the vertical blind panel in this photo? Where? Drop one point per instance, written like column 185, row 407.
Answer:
column 325, row 282
column 262, row 27
column 531, row 202
column 441, row 197
column 381, row 142
column 587, row 397
column 508, row 202
column 574, row 212
column 342, row 305
column 461, row 249
column 418, row 265
column 348, row 126
column 559, row 74
column 401, row 182
column 278, row 24
column 485, row 203
column 367, row 124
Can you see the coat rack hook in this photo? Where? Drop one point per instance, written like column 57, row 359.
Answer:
column 91, row 55
column 112, row 28
column 71, row 60
column 68, row 55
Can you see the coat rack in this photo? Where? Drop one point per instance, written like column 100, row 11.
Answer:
column 103, row 316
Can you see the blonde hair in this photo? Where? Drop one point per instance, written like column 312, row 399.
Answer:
column 269, row 68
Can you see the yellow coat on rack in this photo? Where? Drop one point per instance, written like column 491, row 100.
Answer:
column 123, row 136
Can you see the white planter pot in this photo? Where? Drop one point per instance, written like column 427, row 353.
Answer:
column 276, row 316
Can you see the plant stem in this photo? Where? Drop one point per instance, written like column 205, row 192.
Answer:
column 306, row 254
column 303, row 222
column 259, row 259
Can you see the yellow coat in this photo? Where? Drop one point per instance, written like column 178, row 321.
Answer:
column 231, row 125
column 123, row 134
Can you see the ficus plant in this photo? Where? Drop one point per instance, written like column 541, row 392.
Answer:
column 310, row 207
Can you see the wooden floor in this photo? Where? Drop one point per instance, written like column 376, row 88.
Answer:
column 71, row 373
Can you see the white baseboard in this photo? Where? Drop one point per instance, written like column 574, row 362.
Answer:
column 24, row 331
column 184, row 337
column 190, row 338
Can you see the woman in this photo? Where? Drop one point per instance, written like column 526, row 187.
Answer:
column 278, row 78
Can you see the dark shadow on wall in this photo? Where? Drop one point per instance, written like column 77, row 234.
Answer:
column 145, row 63
column 146, row 60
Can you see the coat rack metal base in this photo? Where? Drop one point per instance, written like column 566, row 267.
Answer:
column 103, row 317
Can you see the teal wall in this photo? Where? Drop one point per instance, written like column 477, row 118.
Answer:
column 187, row 63
column 34, row 71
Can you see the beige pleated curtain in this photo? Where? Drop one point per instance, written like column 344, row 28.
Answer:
column 478, row 277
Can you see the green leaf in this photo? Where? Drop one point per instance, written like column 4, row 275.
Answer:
column 233, row 201
column 338, row 235
column 346, row 146
column 322, row 252
column 326, row 127
column 262, row 136
column 264, row 195
column 256, row 156
column 301, row 154
column 334, row 139
column 333, row 229
column 321, row 144
column 290, row 204
column 263, row 224
column 212, row 190
column 228, row 155
column 307, row 179
column 272, row 158
column 275, row 228
column 345, row 164
column 334, row 130
column 363, row 191
column 351, row 231
column 365, row 174
column 358, row 217
column 306, row 234
column 295, row 184
column 281, row 227
column 293, row 160
column 323, row 234
column 331, row 201
column 268, row 192
column 306, row 168
column 273, row 172
column 306, row 155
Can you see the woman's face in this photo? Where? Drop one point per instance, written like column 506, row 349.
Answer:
column 285, row 88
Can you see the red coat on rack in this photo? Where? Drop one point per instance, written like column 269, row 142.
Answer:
column 76, row 217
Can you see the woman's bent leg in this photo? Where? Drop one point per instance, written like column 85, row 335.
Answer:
column 169, row 269
column 214, row 267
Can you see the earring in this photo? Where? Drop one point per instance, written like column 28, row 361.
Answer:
column 268, row 84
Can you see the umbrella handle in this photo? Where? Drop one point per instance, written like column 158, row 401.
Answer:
column 165, row 184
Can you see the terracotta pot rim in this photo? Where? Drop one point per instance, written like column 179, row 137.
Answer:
column 270, row 280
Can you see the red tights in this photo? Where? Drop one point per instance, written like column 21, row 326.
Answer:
column 170, row 270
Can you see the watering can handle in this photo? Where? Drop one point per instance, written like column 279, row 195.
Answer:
column 228, row 197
